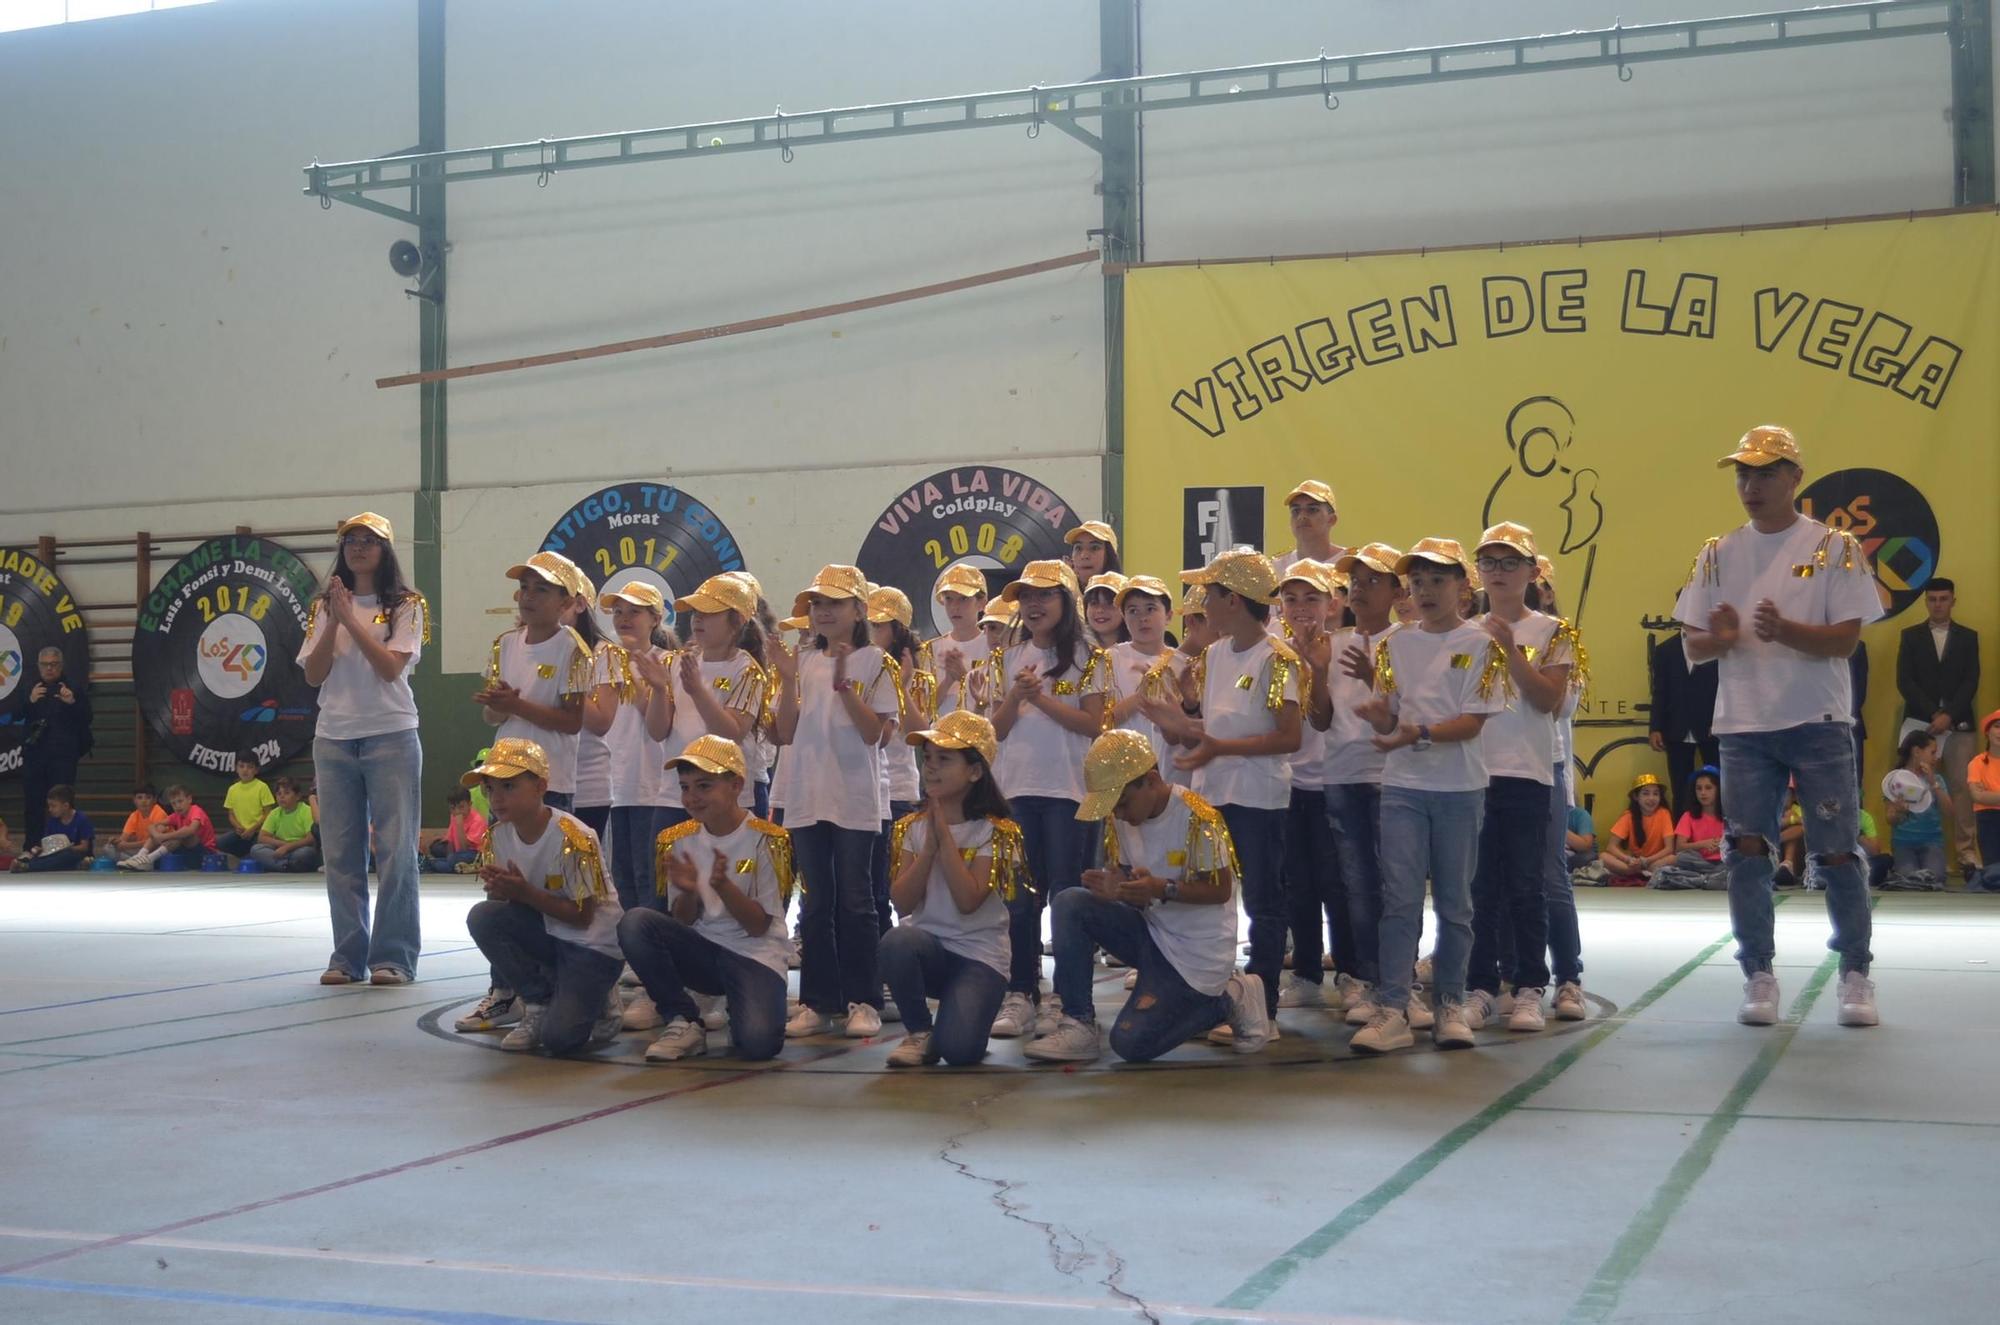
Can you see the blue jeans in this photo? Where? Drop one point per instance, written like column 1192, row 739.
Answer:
column 570, row 982
column 838, row 936
column 1432, row 834
column 1161, row 1012
column 371, row 782
column 299, row 860
column 670, row 958
column 1315, row 903
column 1353, row 809
column 634, row 829
column 1260, row 849
column 1053, row 840
column 1509, row 888
column 1565, row 935
column 916, row 966
column 878, row 867
column 1755, row 768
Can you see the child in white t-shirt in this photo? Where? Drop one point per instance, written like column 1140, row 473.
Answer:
column 1145, row 670
column 1435, row 685
column 1314, row 900
column 727, row 877
column 952, row 944
column 617, row 710
column 890, row 614
column 961, row 591
column 1103, row 622
column 837, row 696
column 1165, row 904
column 1251, row 725
column 1050, row 692
column 549, row 924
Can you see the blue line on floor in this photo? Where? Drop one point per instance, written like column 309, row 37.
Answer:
column 437, row 1316
column 210, row 984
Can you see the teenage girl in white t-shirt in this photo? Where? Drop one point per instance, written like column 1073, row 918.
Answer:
column 836, row 697
column 1145, row 669
column 889, row 617
column 618, row 712
column 364, row 635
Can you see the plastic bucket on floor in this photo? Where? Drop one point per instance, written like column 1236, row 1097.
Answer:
column 249, row 867
column 103, row 865
column 170, row 864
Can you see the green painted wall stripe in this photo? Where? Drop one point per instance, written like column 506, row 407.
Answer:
column 1643, row 1234
column 1259, row 1287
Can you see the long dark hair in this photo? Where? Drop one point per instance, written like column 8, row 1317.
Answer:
column 1123, row 634
column 1713, row 774
column 586, row 626
column 751, row 641
column 860, row 639
column 1068, row 635
column 390, row 590
column 1915, row 741
column 984, row 799
column 902, row 642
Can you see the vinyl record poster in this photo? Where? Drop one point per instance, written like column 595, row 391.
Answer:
column 36, row 612
column 996, row 519
column 644, row 531
column 215, row 655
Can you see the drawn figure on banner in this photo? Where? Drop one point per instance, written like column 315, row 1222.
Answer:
column 1554, row 490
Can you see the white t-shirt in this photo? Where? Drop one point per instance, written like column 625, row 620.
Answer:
column 1038, row 757
column 1519, row 741
column 1435, row 677
column 1816, row 577
column 637, row 760
column 738, row 682
column 835, row 776
column 1200, row 941
column 1129, row 669
column 980, row 935
column 1285, row 561
column 354, row 702
column 1235, row 703
column 566, row 859
column 975, row 651
column 1351, row 756
column 542, row 673
column 593, row 769
column 760, row 865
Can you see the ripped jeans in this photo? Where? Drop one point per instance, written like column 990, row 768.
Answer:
column 1755, row 767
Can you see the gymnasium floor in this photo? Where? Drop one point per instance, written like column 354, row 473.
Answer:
column 200, row 1132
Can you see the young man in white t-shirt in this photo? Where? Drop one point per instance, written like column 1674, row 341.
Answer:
column 1436, row 682
column 1313, row 516
column 1164, row 903
column 549, row 923
column 1251, row 725
column 727, row 878
column 1781, row 601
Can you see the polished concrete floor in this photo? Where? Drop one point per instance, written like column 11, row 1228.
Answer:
column 196, row 1131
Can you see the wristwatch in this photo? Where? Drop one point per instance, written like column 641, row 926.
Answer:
column 1170, row 890
column 1423, row 736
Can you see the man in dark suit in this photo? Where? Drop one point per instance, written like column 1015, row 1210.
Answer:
column 56, row 714
column 1683, row 711
column 1937, row 674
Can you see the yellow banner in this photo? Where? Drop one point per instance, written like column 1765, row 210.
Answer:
column 1587, row 390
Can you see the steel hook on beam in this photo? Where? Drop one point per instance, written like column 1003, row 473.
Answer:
column 542, row 180
column 1035, row 128
column 1325, row 83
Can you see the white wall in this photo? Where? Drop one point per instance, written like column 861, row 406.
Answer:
column 151, row 175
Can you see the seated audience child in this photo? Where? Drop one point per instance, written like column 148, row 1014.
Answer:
column 146, row 811
column 66, row 840
column 1579, row 838
column 549, row 924
column 186, row 834
column 285, row 843
column 1643, row 838
column 1915, row 796
column 1982, row 781
column 457, row 848
column 247, row 803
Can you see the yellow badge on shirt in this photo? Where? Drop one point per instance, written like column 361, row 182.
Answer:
column 545, row 670
column 1177, row 858
column 1804, row 570
column 968, row 854
column 553, row 883
column 1461, row 661
column 1245, row 682
column 746, row 866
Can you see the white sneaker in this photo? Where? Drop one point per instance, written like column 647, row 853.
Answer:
column 1048, row 1014
column 527, row 1031
column 806, row 1021
column 499, row 1008
column 862, row 1021
column 1296, row 993
column 139, row 862
column 1071, row 1041
column 1419, row 1013
column 681, row 1039
column 1760, row 1000
column 1857, row 1001
column 1017, row 1016
column 1349, row 991
column 1527, row 1014
column 1249, row 1020
column 610, row 1018
column 714, row 1009
column 1132, row 978
column 1569, row 1002
column 1388, row 1029
column 914, row 1051
column 1362, row 1012
column 1449, row 1030
column 1479, row 1008
column 642, row 1014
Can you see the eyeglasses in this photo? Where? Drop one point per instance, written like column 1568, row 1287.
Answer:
column 1502, row 563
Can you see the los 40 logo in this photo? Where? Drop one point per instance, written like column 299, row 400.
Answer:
column 1890, row 519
